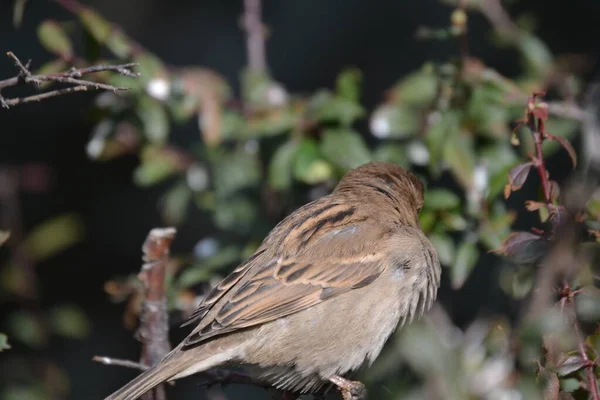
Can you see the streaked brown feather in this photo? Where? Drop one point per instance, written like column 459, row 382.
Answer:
column 318, row 252
column 284, row 287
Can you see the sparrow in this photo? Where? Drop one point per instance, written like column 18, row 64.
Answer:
column 320, row 296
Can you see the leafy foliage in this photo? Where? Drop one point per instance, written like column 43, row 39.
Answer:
column 264, row 151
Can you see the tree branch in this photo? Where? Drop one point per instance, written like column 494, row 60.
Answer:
column 255, row 36
column 71, row 77
column 154, row 320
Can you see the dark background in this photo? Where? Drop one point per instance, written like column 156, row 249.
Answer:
column 310, row 42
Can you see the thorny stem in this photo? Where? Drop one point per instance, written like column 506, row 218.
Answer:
column 540, row 164
column 536, row 125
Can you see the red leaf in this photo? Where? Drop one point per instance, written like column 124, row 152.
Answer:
column 518, row 175
column 567, row 146
column 531, row 205
column 524, row 247
column 540, row 110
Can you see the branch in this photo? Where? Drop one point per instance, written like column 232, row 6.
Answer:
column 212, row 377
column 154, row 320
column 71, row 77
column 255, row 36
column 120, row 363
column 563, row 261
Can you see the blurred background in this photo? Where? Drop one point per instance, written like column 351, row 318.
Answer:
column 222, row 150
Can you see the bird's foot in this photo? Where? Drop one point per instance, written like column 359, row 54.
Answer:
column 351, row 390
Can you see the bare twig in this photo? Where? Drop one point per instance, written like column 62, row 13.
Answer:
column 71, row 77
column 119, row 362
column 589, row 364
column 154, row 320
column 211, row 377
column 255, row 35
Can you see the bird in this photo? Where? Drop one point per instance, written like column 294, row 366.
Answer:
column 320, row 296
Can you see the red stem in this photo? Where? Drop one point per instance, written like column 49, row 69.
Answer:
column 540, row 165
column 536, row 125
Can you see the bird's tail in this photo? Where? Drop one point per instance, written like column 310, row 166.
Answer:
column 161, row 372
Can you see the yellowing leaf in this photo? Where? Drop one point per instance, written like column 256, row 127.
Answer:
column 53, row 236
column 54, row 39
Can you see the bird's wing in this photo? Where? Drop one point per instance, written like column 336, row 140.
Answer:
column 340, row 260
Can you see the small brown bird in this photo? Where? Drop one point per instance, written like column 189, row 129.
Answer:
column 321, row 295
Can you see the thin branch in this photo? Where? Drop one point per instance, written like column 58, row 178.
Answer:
column 154, row 320
column 211, row 377
column 255, row 36
column 540, row 164
column 120, row 363
column 589, row 367
column 563, row 261
column 71, row 77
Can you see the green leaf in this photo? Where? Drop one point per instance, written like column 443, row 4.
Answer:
column 149, row 67
column 281, row 168
column 538, row 58
column 54, row 39
column 4, row 342
column 441, row 199
column 232, row 123
column 154, row 119
column 444, row 246
column 70, row 321
column 498, row 158
column 254, row 87
column 454, row 221
column 487, row 110
column 436, row 137
column 466, row 257
column 348, row 84
column 418, row 89
column 394, row 121
column 27, row 328
column 587, row 304
column 236, row 171
column 120, row 44
column 427, row 219
column 494, row 231
column 309, row 165
column 96, row 25
column 175, row 203
column 325, row 107
column 154, row 167
column 459, row 154
column 271, row 124
column 237, row 214
column 30, row 392
column 53, row 236
column 393, row 153
column 199, row 273
column 152, row 172
column 517, row 282
column 344, row 148
column 570, row 385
